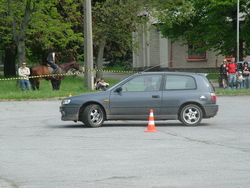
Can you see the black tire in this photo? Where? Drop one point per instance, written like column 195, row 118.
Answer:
column 93, row 115
column 191, row 115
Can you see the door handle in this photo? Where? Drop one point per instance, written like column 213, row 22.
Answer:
column 155, row 96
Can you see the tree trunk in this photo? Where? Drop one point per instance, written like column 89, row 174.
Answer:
column 9, row 63
column 21, row 54
column 99, row 63
column 19, row 35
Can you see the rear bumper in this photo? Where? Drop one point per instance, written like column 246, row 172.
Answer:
column 210, row 110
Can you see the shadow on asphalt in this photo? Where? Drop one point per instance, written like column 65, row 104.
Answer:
column 127, row 124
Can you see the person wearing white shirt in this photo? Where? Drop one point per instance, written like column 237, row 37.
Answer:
column 24, row 72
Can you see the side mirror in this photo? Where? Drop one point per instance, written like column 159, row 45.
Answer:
column 118, row 90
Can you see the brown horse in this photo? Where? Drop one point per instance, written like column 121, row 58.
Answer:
column 43, row 71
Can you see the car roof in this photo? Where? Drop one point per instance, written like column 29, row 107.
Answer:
column 243, row 62
column 171, row 73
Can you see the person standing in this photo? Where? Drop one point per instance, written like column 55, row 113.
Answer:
column 231, row 72
column 240, row 80
column 245, row 71
column 51, row 60
column 24, row 72
column 223, row 73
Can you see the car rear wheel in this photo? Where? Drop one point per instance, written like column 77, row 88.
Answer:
column 191, row 115
column 93, row 115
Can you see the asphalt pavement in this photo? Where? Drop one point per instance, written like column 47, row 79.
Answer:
column 39, row 150
column 4, row 183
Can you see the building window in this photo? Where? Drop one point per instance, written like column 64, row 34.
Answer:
column 195, row 56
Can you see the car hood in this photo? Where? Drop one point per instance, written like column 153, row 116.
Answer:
column 90, row 97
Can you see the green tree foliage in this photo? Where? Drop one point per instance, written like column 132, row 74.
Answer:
column 20, row 16
column 209, row 22
column 40, row 26
column 7, row 45
column 113, row 24
column 31, row 28
column 57, row 25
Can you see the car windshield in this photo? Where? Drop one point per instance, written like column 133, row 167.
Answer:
column 119, row 83
column 140, row 83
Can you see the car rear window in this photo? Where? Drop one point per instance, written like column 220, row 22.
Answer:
column 174, row 82
column 210, row 85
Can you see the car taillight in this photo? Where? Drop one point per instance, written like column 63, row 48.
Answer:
column 213, row 97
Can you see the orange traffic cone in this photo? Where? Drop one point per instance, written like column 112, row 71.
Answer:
column 151, row 122
column 70, row 94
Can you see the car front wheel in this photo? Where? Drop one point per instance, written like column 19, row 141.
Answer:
column 191, row 115
column 93, row 115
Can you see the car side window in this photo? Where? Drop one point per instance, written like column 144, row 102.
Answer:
column 174, row 82
column 143, row 83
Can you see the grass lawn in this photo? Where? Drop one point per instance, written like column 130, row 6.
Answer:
column 237, row 92
column 75, row 85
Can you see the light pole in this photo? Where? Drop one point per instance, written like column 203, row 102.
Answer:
column 88, row 46
column 238, row 28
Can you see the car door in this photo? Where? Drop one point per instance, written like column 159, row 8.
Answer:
column 139, row 94
column 176, row 89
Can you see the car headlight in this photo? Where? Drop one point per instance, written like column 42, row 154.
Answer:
column 66, row 101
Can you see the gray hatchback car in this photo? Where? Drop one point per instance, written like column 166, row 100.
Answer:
column 187, row 97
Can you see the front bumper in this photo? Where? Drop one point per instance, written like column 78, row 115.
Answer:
column 69, row 113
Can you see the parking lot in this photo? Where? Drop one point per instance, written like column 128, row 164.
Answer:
column 40, row 150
